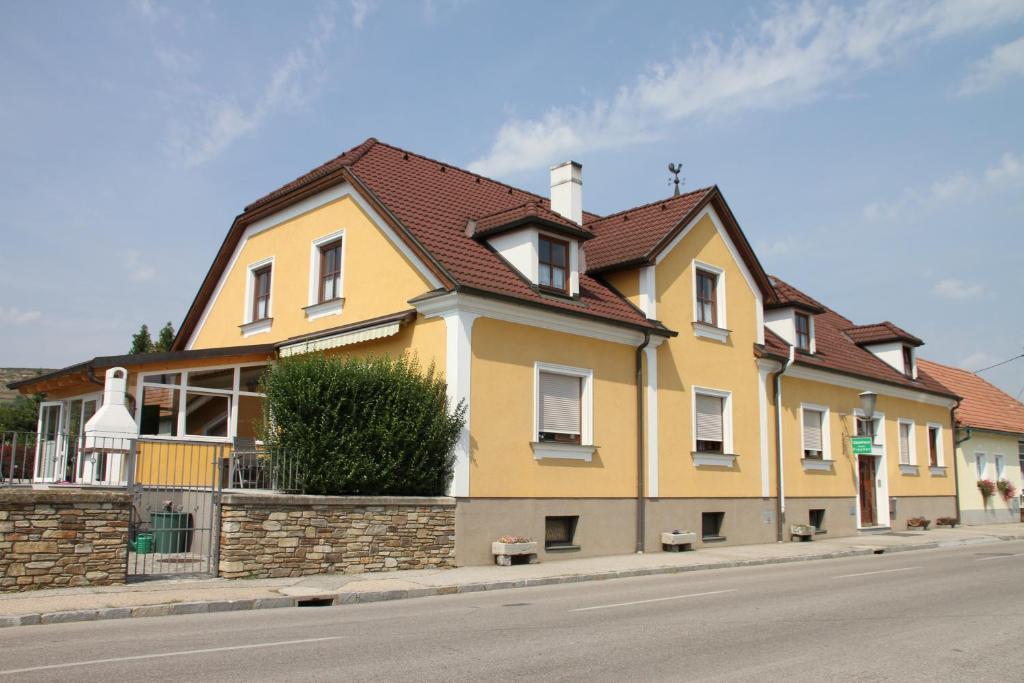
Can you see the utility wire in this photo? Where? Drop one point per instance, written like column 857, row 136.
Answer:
column 1008, row 360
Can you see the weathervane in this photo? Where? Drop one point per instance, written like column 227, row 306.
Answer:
column 674, row 169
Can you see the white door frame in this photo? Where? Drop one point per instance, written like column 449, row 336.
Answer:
column 38, row 476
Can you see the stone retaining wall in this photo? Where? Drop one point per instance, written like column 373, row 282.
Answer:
column 57, row 538
column 275, row 535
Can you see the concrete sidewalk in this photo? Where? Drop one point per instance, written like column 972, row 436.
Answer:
column 192, row 596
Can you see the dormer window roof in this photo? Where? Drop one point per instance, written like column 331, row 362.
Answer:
column 881, row 333
column 525, row 215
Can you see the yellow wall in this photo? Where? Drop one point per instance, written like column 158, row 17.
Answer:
column 377, row 278
column 424, row 339
column 687, row 361
column 170, row 463
column 989, row 443
column 502, row 419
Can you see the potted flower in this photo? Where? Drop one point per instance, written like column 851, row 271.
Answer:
column 918, row 523
column 946, row 521
column 507, row 547
column 987, row 487
column 1007, row 491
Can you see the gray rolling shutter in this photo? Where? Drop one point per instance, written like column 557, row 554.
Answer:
column 559, row 403
column 709, row 418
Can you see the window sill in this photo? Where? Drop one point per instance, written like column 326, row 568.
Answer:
column 564, row 451
column 256, row 327
column 937, row 471
column 817, row 464
column 718, row 334
column 712, row 539
column 909, row 470
column 713, row 459
column 324, row 308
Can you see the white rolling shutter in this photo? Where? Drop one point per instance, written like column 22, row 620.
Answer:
column 904, row 443
column 559, row 403
column 812, row 430
column 709, row 418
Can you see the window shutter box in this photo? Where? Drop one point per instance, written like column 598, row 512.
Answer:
column 709, row 418
column 559, row 399
column 812, row 430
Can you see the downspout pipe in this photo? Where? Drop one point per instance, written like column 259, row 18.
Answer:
column 640, row 512
column 780, row 491
column 956, row 461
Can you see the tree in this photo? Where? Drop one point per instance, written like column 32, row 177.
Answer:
column 165, row 338
column 377, row 426
column 21, row 414
column 141, row 341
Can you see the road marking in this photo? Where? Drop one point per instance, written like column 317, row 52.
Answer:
column 157, row 655
column 881, row 571
column 642, row 602
column 998, row 557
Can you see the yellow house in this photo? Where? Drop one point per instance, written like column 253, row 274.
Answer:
column 625, row 375
column 989, row 446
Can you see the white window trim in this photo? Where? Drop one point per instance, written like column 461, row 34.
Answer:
column 996, row 459
column 983, row 470
column 315, row 308
column 825, row 464
column 812, row 346
column 251, row 327
column 878, row 445
column 721, row 326
column 909, row 468
column 940, row 456
column 234, row 393
column 726, row 458
column 572, row 273
column 584, row 450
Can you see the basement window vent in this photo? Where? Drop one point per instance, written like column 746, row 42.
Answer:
column 817, row 520
column 559, row 533
column 711, row 526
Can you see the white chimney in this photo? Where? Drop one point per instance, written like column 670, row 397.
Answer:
column 567, row 191
column 108, row 433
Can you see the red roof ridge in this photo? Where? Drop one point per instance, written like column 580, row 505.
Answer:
column 648, row 205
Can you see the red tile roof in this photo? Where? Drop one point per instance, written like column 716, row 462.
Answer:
column 531, row 211
column 835, row 351
column 790, row 296
column 881, row 332
column 983, row 406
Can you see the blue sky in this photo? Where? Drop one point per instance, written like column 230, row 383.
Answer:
column 873, row 153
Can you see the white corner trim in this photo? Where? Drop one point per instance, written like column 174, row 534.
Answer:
column 586, row 398
column 565, row 451
column 324, row 309
column 250, row 284
column 314, row 269
column 442, row 305
column 850, row 382
column 653, row 465
column 318, row 200
column 257, row 327
column 764, row 367
column 817, row 465
column 648, row 297
column 458, row 366
column 713, row 459
column 718, row 334
column 747, row 276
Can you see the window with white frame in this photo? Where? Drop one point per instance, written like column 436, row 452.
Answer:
column 1020, row 456
column 708, row 295
column 875, row 428
column 326, row 275
column 815, row 432
column 259, row 297
column 205, row 403
column 980, row 465
column 935, row 458
column 907, row 455
column 564, row 404
column 1000, row 461
column 712, row 421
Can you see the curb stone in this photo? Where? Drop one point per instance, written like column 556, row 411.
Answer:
column 353, row 597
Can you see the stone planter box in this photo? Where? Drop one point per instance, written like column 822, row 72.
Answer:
column 673, row 541
column 921, row 527
column 805, row 532
column 504, row 552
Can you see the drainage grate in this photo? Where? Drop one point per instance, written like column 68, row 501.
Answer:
column 516, row 604
column 315, row 602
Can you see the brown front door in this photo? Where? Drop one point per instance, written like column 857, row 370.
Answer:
column 866, row 467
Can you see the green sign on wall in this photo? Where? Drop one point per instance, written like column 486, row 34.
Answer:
column 861, row 445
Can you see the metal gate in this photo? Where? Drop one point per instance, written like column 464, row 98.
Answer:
column 175, row 522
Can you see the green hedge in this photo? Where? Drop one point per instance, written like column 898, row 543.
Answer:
column 379, row 426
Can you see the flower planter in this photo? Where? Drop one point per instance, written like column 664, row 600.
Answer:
column 675, row 541
column 504, row 552
column 805, row 532
column 919, row 523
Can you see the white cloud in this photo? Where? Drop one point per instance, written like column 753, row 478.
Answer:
column 957, row 290
column 1004, row 63
column 360, row 10
column 791, row 57
column 12, row 315
column 978, row 359
column 137, row 268
column 1006, row 174
column 148, row 10
column 294, row 82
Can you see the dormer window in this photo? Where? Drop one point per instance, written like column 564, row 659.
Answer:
column 553, row 264
column 802, row 322
column 908, row 361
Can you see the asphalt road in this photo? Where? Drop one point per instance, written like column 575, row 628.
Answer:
column 939, row 615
